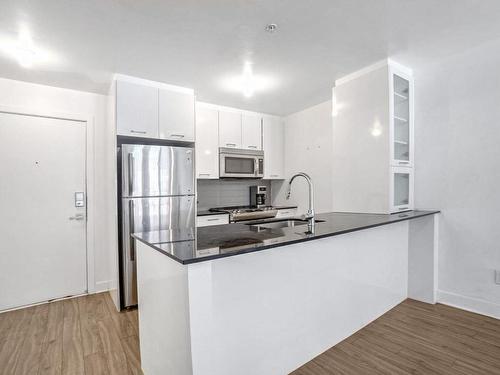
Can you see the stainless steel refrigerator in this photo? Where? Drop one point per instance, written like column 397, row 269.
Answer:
column 157, row 193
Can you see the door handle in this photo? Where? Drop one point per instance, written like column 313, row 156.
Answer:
column 77, row 217
column 177, row 135
column 138, row 131
column 130, row 173
column 131, row 226
column 231, row 144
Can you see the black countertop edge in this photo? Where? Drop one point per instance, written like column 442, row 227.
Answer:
column 255, row 248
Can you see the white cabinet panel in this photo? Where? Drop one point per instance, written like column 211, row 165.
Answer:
column 372, row 134
column 229, row 129
column 207, row 143
column 205, row 221
column 136, row 110
column 401, row 189
column 251, row 132
column 274, row 153
column 286, row 213
column 176, row 115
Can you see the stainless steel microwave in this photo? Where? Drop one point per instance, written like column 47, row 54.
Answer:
column 238, row 163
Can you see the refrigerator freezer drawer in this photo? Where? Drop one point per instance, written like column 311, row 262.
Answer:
column 149, row 171
column 145, row 215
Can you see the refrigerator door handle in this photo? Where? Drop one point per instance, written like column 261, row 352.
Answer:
column 130, row 173
column 131, row 225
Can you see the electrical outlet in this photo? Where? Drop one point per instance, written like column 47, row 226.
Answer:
column 497, row 277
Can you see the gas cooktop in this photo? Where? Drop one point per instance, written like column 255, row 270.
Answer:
column 240, row 213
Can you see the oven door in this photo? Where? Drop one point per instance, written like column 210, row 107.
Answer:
column 235, row 165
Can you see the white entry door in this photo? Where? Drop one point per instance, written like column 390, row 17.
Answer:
column 42, row 232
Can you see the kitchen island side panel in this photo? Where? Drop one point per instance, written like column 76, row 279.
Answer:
column 269, row 312
column 163, row 299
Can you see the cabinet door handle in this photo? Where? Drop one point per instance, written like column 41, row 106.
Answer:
column 203, row 174
column 77, row 217
column 138, row 131
column 252, row 146
column 216, row 219
column 177, row 135
column 402, row 208
column 403, row 162
column 231, row 144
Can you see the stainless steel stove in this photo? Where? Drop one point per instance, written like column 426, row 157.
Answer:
column 242, row 213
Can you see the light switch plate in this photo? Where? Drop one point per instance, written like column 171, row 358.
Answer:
column 497, row 277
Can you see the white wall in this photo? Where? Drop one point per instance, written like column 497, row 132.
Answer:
column 45, row 99
column 308, row 148
column 457, row 124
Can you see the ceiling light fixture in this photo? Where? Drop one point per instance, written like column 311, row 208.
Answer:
column 247, row 82
column 23, row 50
column 271, row 28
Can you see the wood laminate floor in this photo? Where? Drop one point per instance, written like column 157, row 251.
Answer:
column 86, row 335
column 416, row 338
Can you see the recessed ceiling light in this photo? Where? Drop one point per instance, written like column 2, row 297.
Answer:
column 271, row 28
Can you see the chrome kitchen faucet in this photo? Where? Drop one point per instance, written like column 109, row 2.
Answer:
column 310, row 213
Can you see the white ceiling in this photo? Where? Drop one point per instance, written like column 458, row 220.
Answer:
column 197, row 43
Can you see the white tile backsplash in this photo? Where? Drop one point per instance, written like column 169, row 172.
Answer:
column 220, row 193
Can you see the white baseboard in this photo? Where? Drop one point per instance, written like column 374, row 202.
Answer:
column 102, row 286
column 474, row 305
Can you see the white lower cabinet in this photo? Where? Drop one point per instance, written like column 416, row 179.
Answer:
column 401, row 189
column 273, row 135
column 286, row 213
column 208, row 220
column 207, row 143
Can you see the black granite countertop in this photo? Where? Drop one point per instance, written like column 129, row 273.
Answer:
column 219, row 241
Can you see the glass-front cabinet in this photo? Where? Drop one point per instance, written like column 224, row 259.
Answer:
column 401, row 189
column 401, row 103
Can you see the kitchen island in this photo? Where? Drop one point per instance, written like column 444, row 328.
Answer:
column 265, row 299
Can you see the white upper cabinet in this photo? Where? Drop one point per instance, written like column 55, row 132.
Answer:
column 136, row 110
column 229, row 129
column 372, row 138
column 176, row 115
column 251, row 132
column 401, row 110
column 273, row 138
column 207, row 142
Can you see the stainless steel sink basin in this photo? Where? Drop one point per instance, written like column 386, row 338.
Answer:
column 284, row 223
